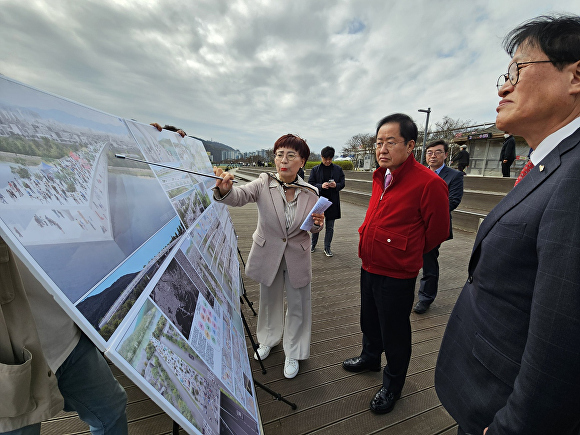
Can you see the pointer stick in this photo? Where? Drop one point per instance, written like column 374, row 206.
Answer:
column 122, row 156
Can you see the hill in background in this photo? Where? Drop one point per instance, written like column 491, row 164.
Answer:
column 215, row 148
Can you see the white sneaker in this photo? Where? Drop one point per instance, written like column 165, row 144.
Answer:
column 263, row 351
column 290, row 368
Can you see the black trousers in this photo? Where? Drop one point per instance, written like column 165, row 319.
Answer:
column 384, row 319
column 506, row 168
column 430, row 280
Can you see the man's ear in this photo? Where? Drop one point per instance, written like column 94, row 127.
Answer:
column 575, row 83
column 411, row 145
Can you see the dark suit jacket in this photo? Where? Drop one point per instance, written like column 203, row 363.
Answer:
column 510, row 357
column 337, row 174
column 454, row 180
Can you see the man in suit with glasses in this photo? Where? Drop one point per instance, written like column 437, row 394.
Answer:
column 509, row 359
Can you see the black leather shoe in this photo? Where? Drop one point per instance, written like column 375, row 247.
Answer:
column 358, row 364
column 384, row 401
column 421, row 307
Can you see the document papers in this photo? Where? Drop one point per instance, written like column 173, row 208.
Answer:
column 321, row 205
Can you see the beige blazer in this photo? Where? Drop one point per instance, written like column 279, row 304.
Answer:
column 271, row 240
column 28, row 388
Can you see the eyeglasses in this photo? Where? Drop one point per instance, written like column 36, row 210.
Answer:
column 434, row 153
column 513, row 74
column 390, row 145
column 289, row 156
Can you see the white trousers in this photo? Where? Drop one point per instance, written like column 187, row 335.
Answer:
column 297, row 327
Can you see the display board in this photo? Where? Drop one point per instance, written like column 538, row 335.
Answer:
column 140, row 256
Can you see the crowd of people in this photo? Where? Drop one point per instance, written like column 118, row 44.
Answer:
column 509, row 356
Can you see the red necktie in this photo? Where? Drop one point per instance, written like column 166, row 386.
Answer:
column 527, row 168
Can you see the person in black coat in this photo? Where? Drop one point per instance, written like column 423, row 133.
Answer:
column 507, row 154
column 437, row 152
column 462, row 158
column 329, row 179
column 301, row 173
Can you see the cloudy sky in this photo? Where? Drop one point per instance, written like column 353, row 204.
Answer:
column 244, row 72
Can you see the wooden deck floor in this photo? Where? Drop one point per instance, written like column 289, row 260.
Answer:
column 329, row 399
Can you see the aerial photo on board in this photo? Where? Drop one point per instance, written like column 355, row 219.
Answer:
column 77, row 210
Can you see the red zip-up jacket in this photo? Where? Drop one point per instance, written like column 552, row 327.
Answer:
column 403, row 221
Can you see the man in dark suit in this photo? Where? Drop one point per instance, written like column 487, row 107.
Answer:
column 329, row 180
column 437, row 152
column 510, row 357
column 507, row 154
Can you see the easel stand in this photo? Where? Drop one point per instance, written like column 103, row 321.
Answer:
column 276, row 396
column 244, row 287
column 254, row 344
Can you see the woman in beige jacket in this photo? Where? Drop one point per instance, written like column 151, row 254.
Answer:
column 280, row 255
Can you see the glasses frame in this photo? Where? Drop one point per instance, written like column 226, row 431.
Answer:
column 519, row 65
column 434, row 153
column 295, row 155
column 390, row 145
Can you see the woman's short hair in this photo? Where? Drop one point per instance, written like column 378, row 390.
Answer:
column 294, row 142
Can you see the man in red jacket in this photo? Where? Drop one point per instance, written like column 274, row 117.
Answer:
column 408, row 215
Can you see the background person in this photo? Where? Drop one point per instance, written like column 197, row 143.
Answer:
column 408, row 215
column 278, row 258
column 84, row 377
column 329, row 179
column 509, row 359
column 301, row 173
column 507, row 154
column 462, row 158
column 437, row 152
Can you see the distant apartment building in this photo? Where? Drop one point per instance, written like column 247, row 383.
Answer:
column 228, row 155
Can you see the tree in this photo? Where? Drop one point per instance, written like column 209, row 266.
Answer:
column 21, row 171
column 359, row 145
column 445, row 129
column 149, row 350
column 70, row 187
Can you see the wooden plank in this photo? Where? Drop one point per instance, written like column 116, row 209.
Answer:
column 431, row 422
column 329, row 399
column 72, row 424
column 409, row 406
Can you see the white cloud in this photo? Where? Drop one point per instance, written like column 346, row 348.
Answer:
column 246, row 72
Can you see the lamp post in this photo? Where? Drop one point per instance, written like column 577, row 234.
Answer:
column 428, row 112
